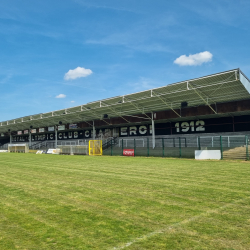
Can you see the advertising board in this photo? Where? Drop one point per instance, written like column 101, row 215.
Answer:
column 41, row 130
column 61, row 127
column 128, row 152
column 72, row 126
column 51, row 129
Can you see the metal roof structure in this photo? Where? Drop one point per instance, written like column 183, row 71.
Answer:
column 208, row 90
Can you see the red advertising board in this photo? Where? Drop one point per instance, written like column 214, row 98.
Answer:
column 128, row 152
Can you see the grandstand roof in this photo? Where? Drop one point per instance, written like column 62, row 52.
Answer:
column 208, row 90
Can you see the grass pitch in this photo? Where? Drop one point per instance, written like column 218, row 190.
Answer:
column 77, row 202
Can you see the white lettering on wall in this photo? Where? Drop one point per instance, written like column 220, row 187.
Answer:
column 200, row 125
column 87, row 133
column 192, row 126
column 143, row 130
column 132, row 130
column 75, row 134
column 124, row 131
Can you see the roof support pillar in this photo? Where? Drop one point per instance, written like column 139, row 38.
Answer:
column 10, row 138
column 55, row 137
column 29, row 138
column 93, row 130
column 153, row 131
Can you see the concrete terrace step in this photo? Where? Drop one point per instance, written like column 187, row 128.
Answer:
column 235, row 153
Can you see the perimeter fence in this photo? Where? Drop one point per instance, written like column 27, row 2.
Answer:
column 231, row 147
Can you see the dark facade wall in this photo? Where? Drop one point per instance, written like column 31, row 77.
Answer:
column 212, row 125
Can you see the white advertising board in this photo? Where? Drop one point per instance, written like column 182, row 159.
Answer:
column 207, row 154
column 53, row 151
column 50, row 129
column 61, row 127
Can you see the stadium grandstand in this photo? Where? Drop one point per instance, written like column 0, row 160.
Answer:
column 207, row 112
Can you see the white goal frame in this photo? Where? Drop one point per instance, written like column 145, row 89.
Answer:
column 73, row 149
column 18, row 148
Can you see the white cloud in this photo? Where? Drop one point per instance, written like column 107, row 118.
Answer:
column 77, row 73
column 61, row 96
column 196, row 59
column 72, row 101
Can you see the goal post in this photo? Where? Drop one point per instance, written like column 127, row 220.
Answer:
column 95, row 147
column 18, row 148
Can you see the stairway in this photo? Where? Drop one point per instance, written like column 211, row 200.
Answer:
column 235, row 153
column 113, row 141
column 42, row 145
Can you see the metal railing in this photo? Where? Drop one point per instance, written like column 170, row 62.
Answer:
column 231, row 147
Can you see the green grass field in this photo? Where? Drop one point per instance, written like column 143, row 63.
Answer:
column 81, row 202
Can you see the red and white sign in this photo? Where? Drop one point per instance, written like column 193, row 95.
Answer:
column 128, row 152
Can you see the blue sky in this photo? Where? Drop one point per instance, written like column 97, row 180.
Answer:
column 86, row 50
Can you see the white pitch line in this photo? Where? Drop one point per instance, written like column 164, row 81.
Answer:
column 163, row 230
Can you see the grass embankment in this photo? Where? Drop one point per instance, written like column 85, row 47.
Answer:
column 81, row 202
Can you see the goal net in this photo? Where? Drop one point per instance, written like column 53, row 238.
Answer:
column 73, row 149
column 95, row 147
column 18, row 148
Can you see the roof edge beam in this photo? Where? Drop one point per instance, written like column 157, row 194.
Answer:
column 167, row 104
column 94, row 113
column 117, row 113
column 205, row 101
column 137, row 107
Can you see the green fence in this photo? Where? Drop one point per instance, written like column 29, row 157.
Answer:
column 231, row 147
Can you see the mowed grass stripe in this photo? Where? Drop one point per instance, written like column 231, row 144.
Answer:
column 205, row 219
column 157, row 179
column 74, row 202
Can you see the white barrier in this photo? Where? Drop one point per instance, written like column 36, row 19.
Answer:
column 207, row 154
column 54, row 151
